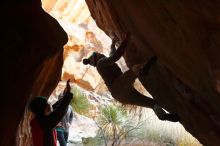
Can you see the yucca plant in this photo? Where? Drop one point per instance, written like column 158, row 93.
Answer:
column 114, row 124
column 80, row 103
column 111, row 118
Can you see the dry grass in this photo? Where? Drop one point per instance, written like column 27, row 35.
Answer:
column 164, row 132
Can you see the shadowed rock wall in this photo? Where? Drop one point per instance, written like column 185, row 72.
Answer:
column 185, row 37
column 31, row 60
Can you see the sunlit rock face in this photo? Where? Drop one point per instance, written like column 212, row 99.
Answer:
column 84, row 37
column 184, row 35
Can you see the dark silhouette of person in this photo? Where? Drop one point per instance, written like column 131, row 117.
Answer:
column 121, row 84
column 44, row 123
column 63, row 126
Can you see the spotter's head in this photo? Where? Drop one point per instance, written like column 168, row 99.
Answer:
column 38, row 105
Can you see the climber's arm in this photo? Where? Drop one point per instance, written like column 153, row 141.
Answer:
column 114, row 41
column 116, row 54
column 51, row 120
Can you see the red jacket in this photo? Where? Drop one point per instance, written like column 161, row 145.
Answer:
column 38, row 134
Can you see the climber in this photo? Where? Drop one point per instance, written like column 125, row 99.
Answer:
column 45, row 120
column 121, row 84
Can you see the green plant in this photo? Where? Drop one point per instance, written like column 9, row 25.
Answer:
column 115, row 125
column 80, row 103
column 111, row 119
